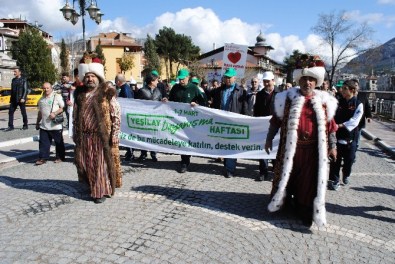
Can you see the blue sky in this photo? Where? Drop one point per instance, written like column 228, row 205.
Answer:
column 286, row 24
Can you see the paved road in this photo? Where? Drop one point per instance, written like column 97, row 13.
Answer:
column 161, row 216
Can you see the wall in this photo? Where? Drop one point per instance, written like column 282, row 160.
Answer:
column 112, row 68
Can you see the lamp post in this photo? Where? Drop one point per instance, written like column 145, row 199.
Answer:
column 70, row 14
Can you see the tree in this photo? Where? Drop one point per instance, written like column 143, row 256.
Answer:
column 344, row 38
column 99, row 53
column 152, row 58
column 185, row 51
column 33, row 56
column 64, row 57
column 175, row 48
column 289, row 64
column 165, row 41
column 126, row 62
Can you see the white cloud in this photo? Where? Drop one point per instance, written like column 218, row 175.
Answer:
column 44, row 12
column 385, row 2
column 202, row 24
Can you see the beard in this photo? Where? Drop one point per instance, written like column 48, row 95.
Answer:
column 91, row 85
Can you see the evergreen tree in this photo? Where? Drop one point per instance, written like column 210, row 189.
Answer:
column 290, row 63
column 175, row 48
column 64, row 57
column 152, row 58
column 99, row 53
column 33, row 56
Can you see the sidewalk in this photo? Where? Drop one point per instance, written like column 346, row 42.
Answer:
column 382, row 134
column 23, row 148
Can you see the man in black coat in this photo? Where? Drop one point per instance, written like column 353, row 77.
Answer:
column 19, row 91
column 264, row 107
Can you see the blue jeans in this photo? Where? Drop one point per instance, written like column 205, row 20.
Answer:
column 230, row 165
column 345, row 153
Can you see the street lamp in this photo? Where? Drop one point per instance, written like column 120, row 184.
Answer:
column 70, row 14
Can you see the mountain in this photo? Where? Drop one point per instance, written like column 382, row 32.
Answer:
column 380, row 60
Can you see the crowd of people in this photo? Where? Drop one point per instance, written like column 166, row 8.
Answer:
column 319, row 134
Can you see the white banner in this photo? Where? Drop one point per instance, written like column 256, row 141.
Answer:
column 235, row 56
column 198, row 131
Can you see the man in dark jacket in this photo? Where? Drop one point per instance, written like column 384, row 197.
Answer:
column 230, row 97
column 348, row 116
column 19, row 91
column 264, row 107
column 185, row 92
column 149, row 92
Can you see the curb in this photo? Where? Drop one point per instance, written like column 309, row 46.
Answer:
column 378, row 142
column 14, row 142
column 19, row 141
column 30, row 154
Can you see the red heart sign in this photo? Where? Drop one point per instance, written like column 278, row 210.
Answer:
column 234, row 57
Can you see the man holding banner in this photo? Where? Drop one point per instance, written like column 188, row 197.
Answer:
column 230, row 97
column 185, row 92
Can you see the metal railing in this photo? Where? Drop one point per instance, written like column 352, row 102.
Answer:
column 383, row 107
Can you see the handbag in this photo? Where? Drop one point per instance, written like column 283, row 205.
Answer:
column 59, row 117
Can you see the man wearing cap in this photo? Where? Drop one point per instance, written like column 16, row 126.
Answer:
column 264, row 107
column 92, row 132
column 305, row 116
column 230, row 97
column 185, row 92
column 160, row 85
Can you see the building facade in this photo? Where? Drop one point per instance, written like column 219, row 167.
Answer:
column 114, row 46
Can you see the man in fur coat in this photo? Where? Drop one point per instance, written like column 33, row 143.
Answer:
column 92, row 136
column 307, row 140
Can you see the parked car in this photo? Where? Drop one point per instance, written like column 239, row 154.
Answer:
column 33, row 97
column 5, row 95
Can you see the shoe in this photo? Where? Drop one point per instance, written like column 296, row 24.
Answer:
column 8, row 129
column 259, row 178
column 334, row 186
column 346, row 180
column 142, row 158
column 40, row 162
column 267, row 177
column 228, row 174
column 58, row 161
column 99, row 200
column 128, row 157
column 183, row 168
column 154, row 159
column 25, row 128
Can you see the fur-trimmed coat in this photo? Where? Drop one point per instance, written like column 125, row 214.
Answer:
column 288, row 107
column 101, row 110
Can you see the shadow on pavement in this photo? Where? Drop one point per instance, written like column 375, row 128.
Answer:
column 73, row 189
column 373, row 152
column 375, row 189
column 361, row 211
column 247, row 205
